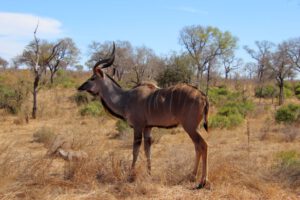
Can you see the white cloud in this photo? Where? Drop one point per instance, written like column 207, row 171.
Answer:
column 17, row 30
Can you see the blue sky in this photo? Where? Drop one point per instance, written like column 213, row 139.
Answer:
column 154, row 23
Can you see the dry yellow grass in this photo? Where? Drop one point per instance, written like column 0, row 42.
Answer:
column 239, row 168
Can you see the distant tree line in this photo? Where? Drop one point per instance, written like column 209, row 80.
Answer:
column 207, row 52
column 275, row 62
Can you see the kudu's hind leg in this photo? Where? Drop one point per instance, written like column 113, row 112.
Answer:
column 201, row 151
column 147, row 147
column 203, row 180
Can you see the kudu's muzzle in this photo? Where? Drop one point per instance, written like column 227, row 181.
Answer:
column 84, row 87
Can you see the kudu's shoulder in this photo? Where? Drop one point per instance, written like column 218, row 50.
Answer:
column 185, row 88
column 147, row 85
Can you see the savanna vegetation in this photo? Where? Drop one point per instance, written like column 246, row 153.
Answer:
column 57, row 143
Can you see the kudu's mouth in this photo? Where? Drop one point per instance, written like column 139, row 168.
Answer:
column 80, row 89
column 86, row 87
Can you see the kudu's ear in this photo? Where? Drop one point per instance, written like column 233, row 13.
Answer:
column 98, row 72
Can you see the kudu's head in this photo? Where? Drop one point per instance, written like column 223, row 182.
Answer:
column 93, row 84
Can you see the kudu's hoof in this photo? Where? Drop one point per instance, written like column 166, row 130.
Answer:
column 205, row 185
column 200, row 186
column 131, row 177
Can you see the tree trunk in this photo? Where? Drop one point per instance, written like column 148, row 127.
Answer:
column 260, row 90
column 226, row 73
column 51, row 77
column 281, row 92
column 198, row 77
column 208, row 78
column 34, row 93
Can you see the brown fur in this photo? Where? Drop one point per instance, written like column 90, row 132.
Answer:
column 150, row 85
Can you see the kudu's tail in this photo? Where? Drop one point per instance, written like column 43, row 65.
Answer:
column 206, row 108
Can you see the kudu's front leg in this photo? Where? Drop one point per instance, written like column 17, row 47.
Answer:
column 136, row 145
column 147, row 147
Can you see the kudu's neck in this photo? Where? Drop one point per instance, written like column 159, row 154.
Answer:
column 113, row 96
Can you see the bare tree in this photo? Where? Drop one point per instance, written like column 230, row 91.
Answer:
column 250, row 69
column 146, row 64
column 204, row 45
column 37, row 56
column 66, row 54
column 123, row 57
column 97, row 51
column 282, row 67
column 294, row 52
column 262, row 56
column 15, row 62
column 3, row 63
column 230, row 63
column 138, row 63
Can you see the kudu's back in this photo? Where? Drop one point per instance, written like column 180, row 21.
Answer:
column 168, row 107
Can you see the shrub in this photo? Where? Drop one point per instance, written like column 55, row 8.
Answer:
column 224, row 121
column 65, row 82
column 228, row 110
column 122, row 126
column 81, row 98
column 288, row 167
column 64, row 79
column 272, row 91
column 288, row 158
column 219, row 121
column 267, row 91
column 288, row 114
column 232, row 107
column 173, row 75
column 93, row 108
column 13, row 96
column 288, row 93
column 44, row 135
column 288, row 85
column 122, row 133
column 297, row 90
column 231, row 114
column 243, row 107
column 218, row 95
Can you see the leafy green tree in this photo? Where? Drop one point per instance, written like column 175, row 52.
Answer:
column 177, row 71
column 205, row 45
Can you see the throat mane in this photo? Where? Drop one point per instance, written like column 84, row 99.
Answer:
column 110, row 111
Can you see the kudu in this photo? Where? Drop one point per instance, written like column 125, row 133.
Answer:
column 146, row 106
